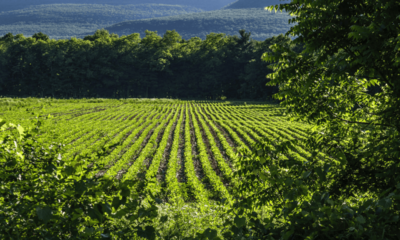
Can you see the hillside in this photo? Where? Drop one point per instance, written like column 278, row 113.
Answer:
column 254, row 3
column 208, row 5
column 262, row 24
column 65, row 20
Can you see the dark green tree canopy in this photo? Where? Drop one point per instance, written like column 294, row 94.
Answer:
column 40, row 36
column 346, row 83
column 350, row 49
column 106, row 65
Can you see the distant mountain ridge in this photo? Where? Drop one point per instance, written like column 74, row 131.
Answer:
column 263, row 24
column 66, row 20
column 63, row 21
column 208, row 5
column 254, row 3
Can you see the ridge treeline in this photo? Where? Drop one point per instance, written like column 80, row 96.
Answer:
column 208, row 5
column 63, row 21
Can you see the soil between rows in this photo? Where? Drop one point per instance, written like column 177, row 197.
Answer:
column 122, row 172
column 210, row 154
column 196, row 161
column 217, row 142
column 181, row 156
column 162, row 169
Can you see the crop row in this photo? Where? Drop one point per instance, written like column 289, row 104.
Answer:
column 131, row 142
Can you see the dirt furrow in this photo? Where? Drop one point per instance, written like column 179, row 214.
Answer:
column 148, row 161
column 196, row 160
column 210, row 154
column 162, row 169
column 121, row 172
column 181, row 150
column 84, row 113
column 133, row 116
column 218, row 143
column 110, row 164
column 240, row 137
column 226, row 135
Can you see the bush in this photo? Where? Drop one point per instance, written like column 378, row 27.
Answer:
column 299, row 204
column 43, row 197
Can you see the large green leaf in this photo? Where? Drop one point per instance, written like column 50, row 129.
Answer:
column 44, row 213
column 240, row 221
column 210, row 233
column 149, row 232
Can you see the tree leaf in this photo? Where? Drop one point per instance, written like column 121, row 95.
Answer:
column 2, row 122
column 306, row 174
column 321, row 174
column 240, row 221
column 360, row 219
column 89, row 230
column 44, row 213
column 69, row 170
column 341, row 157
column 21, row 131
column 80, row 187
column 149, row 232
column 125, row 192
column 95, row 214
column 116, row 203
column 210, row 233
column 106, row 208
column 163, row 219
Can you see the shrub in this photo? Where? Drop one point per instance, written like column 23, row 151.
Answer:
column 43, row 197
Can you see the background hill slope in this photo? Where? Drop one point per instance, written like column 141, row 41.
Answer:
column 254, row 3
column 262, row 24
column 66, row 20
column 208, row 5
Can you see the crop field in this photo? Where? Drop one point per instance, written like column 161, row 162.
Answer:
column 183, row 151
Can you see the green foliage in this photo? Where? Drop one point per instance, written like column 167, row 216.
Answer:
column 329, row 84
column 40, row 36
column 297, row 198
column 279, row 189
column 43, row 197
column 106, row 65
column 112, row 132
column 346, row 83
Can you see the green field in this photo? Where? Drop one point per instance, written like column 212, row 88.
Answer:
column 186, row 150
column 187, row 163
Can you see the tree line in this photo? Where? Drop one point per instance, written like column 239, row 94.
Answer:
column 106, row 65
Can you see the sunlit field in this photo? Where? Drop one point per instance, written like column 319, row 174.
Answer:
column 183, row 152
column 185, row 149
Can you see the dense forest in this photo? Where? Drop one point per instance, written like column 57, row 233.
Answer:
column 262, row 24
column 207, row 5
column 105, row 65
column 66, row 20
